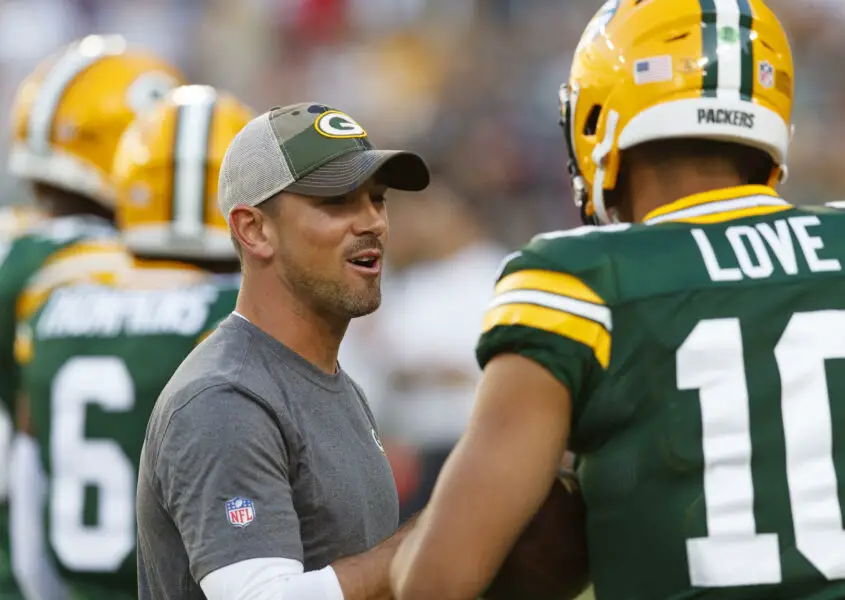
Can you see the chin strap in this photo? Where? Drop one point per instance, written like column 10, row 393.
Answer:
column 603, row 214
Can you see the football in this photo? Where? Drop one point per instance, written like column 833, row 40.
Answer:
column 549, row 559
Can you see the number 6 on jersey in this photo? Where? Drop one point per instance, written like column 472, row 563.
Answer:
column 79, row 462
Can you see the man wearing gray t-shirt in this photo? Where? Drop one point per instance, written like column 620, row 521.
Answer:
column 262, row 475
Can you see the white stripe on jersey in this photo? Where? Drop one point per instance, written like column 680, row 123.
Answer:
column 588, row 310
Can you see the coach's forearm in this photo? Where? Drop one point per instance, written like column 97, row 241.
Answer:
column 366, row 576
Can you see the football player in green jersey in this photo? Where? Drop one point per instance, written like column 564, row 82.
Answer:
column 66, row 120
column 687, row 344
column 96, row 356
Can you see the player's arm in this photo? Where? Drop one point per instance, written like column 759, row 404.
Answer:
column 227, row 444
column 546, row 339
column 495, row 480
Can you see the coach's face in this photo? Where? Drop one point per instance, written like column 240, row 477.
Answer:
column 330, row 250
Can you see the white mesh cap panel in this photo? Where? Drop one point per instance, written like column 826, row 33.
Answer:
column 253, row 167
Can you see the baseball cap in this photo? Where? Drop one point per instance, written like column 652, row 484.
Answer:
column 312, row 149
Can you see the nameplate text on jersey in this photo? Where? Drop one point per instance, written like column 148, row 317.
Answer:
column 92, row 311
column 758, row 248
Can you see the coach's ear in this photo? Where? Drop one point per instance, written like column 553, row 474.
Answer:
column 252, row 230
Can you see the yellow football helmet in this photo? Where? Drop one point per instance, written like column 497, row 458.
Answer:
column 166, row 168
column 69, row 113
column 647, row 70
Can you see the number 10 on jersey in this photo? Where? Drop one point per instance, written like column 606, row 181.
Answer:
column 711, row 361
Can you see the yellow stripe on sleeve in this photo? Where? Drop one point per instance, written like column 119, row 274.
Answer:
column 31, row 300
column 555, row 321
column 549, row 281
column 76, row 265
column 84, row 247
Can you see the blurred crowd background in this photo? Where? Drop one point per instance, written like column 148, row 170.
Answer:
column 472, row 85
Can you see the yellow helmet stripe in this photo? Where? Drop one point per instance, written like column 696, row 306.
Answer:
column 726, row 45
column 192, row 131
column 77, row 58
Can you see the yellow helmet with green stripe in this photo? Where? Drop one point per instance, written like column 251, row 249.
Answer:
column 648, row 70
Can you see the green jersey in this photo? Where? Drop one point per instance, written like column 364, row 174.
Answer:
column 95, row 358
column 21, row 258
column 46, row 254
column 703, row 351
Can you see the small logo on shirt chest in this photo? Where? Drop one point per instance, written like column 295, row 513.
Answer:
column 240, row 511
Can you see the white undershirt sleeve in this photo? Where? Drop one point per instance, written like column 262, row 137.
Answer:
column 271, row 579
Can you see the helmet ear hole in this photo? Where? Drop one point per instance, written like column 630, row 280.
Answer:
column 592, row 122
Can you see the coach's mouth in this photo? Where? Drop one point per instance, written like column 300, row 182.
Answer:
column 367, row 262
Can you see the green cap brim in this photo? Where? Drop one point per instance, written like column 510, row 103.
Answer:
column 396, row 169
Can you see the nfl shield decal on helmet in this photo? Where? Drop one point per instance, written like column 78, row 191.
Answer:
column 766, row 74
column 240, row 511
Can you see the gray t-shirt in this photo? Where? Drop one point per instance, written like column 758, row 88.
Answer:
column 253, row 452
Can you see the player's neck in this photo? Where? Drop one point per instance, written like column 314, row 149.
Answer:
column 269, row 305
column 649, row 190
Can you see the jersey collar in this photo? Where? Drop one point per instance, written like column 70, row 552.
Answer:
column 720, row 205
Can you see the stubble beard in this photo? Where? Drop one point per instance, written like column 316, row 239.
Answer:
column 335, row 297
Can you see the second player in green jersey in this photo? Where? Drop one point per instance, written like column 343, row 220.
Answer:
column 97, row 355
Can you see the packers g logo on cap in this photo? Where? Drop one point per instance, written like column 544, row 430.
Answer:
column 335, row 124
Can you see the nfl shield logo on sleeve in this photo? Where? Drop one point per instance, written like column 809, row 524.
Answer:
column 240, row 512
